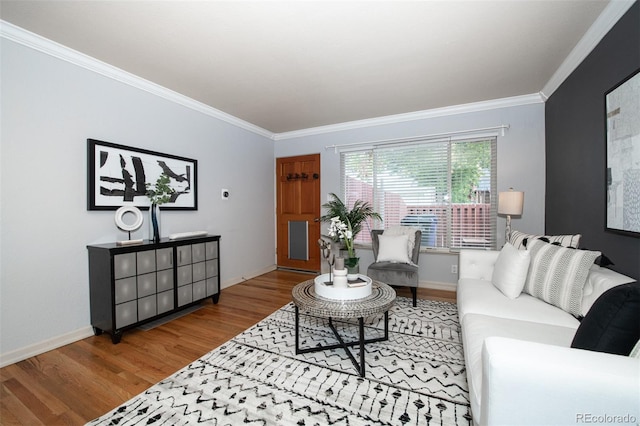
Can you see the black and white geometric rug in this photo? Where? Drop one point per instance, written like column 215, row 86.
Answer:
column 417, row 377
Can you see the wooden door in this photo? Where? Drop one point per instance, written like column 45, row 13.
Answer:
column 298, row 212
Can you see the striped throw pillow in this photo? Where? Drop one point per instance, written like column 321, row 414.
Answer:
column 557, row 275
column 520, row 240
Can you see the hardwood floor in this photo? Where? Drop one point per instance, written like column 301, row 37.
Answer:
column 76, row 383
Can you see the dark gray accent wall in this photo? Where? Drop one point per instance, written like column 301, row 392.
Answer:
column 576, row 146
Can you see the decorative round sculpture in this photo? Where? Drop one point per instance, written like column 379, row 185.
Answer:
column 128, row 227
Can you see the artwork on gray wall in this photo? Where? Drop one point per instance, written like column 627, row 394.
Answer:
column 623, row 156
column 118, row 175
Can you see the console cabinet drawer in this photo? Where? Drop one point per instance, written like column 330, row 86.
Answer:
column 126, row 314
column 185, row 294
column 184, row 255
column 165, row 302
column 125, row 289
column 147, row 307
column 164, row 280
column 199, row 290
column 146, row 262
column 199, row 272
column 164, row 259
column 131, row 285
column 124, row 265
column 197, row 253
column 146, row 284
column 185, row 275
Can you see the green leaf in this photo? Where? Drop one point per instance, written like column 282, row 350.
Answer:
column 161, row 192
column 354, row 218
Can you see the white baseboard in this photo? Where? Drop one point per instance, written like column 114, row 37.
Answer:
column 64, row 339
column 238, row 280
column 422, row 284
column 44, row 346
column 438, row 286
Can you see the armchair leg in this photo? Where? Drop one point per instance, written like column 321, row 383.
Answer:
column 414, row 292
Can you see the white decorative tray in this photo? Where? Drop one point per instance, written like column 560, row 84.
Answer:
column 352, row 291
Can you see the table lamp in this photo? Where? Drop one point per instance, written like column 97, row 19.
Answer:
column 510, row 203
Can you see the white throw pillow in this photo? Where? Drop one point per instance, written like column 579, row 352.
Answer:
column 510, row 271
column 557, row 275
column 409, row 231
column 393, row 248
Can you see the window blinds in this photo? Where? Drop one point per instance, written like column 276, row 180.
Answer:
column 446, row 188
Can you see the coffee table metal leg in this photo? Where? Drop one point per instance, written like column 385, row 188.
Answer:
column 386, row 325
column 361, row 326
column 297, row 331
column 360, row 367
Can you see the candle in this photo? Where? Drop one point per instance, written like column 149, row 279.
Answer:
column 339, row 265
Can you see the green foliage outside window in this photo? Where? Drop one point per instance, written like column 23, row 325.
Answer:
column 425, row 166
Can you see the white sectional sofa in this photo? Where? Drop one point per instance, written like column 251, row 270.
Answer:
column 521, row 368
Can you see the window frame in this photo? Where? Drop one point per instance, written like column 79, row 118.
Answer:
column 487, row 210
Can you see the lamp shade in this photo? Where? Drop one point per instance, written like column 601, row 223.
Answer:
column 510, row 202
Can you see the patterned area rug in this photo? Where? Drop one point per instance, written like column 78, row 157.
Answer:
column 417, row 377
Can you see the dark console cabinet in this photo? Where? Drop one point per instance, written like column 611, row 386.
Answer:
column 132, row 285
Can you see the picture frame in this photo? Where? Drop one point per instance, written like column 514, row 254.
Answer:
column 622, row 109
column 118, row 175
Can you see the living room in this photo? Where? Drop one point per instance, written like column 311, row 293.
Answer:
column 52, row 105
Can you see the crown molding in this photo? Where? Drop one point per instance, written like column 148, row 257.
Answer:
column 607, row 19
column 533, row 98
column 601, row 26
column 49, row 47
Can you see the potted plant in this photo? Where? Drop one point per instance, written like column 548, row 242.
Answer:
column 158, row 194
column 346, row 224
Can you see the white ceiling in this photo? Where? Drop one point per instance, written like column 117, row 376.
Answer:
column 290, row 65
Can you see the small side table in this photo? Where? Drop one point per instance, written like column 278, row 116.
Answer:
column 381, row 299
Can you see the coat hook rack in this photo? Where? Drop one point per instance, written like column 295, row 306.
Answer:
column 301, row 176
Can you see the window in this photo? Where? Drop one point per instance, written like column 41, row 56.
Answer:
column 447, row 188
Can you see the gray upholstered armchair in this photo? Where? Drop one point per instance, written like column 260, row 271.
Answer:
column 392, row 269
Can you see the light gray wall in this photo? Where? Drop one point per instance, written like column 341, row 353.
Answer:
column 49, row 109
column 521, row 165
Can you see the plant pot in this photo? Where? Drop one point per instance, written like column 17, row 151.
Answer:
column 353, row 268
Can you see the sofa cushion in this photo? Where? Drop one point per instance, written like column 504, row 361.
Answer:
column 520, row 240
column 600, row 280
column 476, row 328
column 393, row 273
column 482, row 297
column 612, row 324
column 510, row 271
column 393, row 248
column 558, row 274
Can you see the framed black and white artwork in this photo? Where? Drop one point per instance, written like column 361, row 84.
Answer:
column 118, row 175
column 622, row 104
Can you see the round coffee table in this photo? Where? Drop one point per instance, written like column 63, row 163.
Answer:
column 382, row 297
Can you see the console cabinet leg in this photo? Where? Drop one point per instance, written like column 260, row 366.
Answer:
column 116, row 337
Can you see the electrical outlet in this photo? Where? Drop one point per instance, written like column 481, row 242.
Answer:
column 454, row 269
